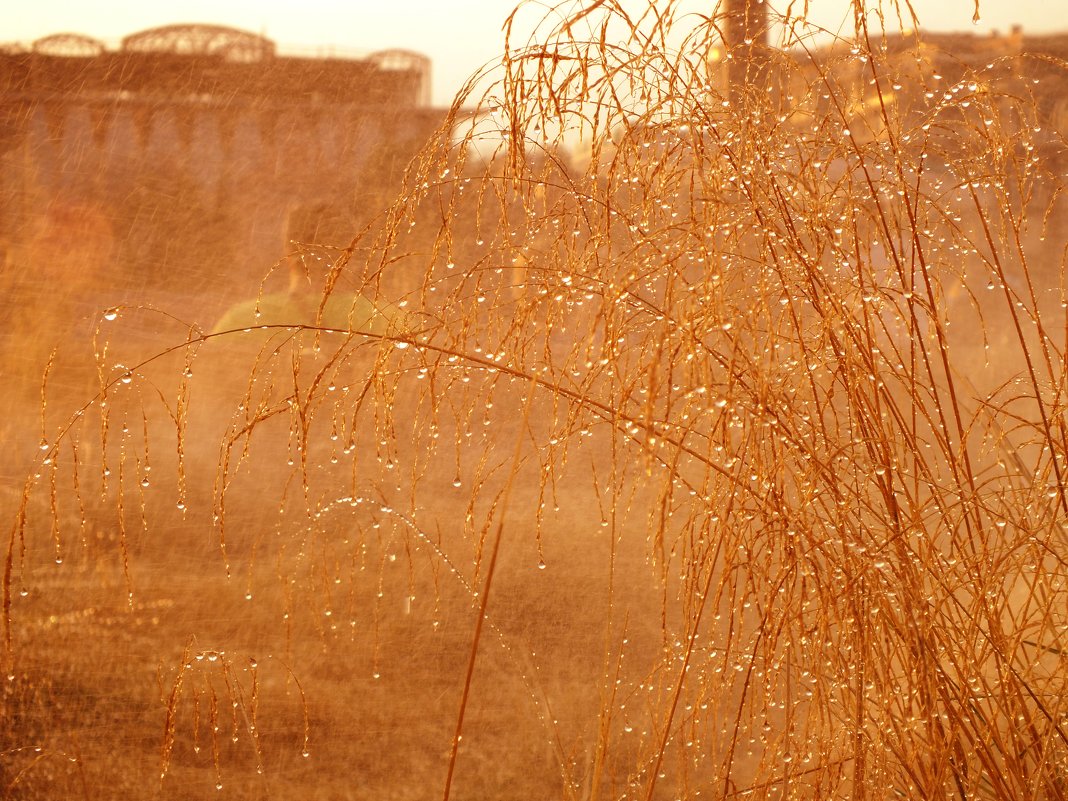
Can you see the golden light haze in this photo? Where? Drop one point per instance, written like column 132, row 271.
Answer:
column 459, row 36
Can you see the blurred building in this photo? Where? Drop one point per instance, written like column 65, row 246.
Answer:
column 191, row 143
column 921, row 73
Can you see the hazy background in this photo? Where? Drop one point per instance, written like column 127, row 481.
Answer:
column 459, row 36
column 730, row 509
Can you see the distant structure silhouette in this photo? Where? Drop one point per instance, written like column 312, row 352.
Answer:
column 918, row 69
column 912, row 62
column 746, row 38
column 194, row 140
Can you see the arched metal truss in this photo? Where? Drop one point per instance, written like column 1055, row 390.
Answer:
column 232, row 44
column 69, row 44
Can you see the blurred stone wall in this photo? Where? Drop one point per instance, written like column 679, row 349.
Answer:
column 160, row 176
column 190, row 144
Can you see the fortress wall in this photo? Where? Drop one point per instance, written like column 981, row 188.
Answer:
column 194, row 160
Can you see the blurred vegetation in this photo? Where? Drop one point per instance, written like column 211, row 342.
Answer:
column 726, row 461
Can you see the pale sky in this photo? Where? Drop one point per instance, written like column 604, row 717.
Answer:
column 458, row 35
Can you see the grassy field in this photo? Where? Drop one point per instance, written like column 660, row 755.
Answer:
column 728, row 462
